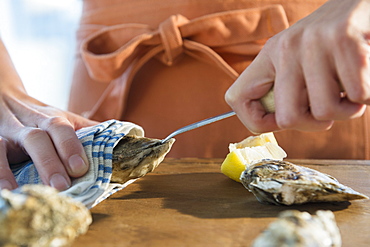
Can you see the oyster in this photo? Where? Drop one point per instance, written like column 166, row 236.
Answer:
column 134, row 157
column 37, row 216
column 299, row 229
column 281, row 182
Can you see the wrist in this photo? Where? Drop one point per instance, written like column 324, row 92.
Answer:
column 9, row 78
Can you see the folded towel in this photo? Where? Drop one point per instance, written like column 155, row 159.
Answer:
column 98, row 142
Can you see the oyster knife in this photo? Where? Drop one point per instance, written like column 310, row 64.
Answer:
column 199, row 124
column 267, row 102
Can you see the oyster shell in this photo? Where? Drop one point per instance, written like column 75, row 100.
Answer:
column 37, row 216
column 281, row 182
column 134, row 157
column 300, row 229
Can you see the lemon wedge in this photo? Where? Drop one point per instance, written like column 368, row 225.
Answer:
column 233, row 166
column 251, row 149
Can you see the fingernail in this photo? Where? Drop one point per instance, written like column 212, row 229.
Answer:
column 5, row 184
column 59, row 182
column 77, row 165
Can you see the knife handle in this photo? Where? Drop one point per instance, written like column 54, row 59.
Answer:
column 268, row 101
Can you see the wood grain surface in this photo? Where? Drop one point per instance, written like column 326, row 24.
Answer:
column 189, row 202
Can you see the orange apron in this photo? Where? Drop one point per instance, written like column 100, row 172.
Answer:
column 164, row 64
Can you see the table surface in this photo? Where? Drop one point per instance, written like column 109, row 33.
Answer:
column 189, row 202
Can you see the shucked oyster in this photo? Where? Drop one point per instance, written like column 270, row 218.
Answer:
column 281, row 182
column 134, row 157
column 300, row 229
column 38, row 216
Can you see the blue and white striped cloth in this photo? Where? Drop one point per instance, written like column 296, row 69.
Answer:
column 95, row 185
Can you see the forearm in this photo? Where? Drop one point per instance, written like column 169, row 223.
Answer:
column 30, row 129
column 9, row 78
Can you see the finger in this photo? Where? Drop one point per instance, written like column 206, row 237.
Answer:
column 243, row 96
column 291, row 97
column 68, row 146
column 352, row 60
column 7, row 180
column 324, row 90
column 61, row 135
column 40, row 148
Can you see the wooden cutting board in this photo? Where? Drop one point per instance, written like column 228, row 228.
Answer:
column 188, row 202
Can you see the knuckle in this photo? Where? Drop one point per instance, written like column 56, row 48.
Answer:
column 323, row 113
column 270, row 44
column 283, row 44
column 230, row 98
column 54, row 122
column 47, row 161
column 68, row 145
column 30, row 134
column 286, row 121
column 339, row 34
column 309, row 37
column 342, row 36
column 359, row 95
column 3, row 142
column 285, row 124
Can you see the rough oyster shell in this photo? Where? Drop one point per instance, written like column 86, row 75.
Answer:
column 134, row 157
column 37, row 216
column 299, row 229
column 281, row 182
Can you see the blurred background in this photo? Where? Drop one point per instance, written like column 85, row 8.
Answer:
column 40, row 37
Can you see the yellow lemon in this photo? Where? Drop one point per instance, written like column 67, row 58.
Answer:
column 251, row 149
column 233, row 166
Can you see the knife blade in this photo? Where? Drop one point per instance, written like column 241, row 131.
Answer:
column 267, row 102
column 199, row 124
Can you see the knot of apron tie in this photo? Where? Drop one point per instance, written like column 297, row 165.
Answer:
column 110, row 51
column 171, row 38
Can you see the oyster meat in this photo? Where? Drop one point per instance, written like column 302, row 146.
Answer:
column 282, row 182
column 38, row 216
column 134, row 157
column 300, row 229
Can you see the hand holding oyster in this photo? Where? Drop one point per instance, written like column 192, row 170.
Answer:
column 37, row 215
